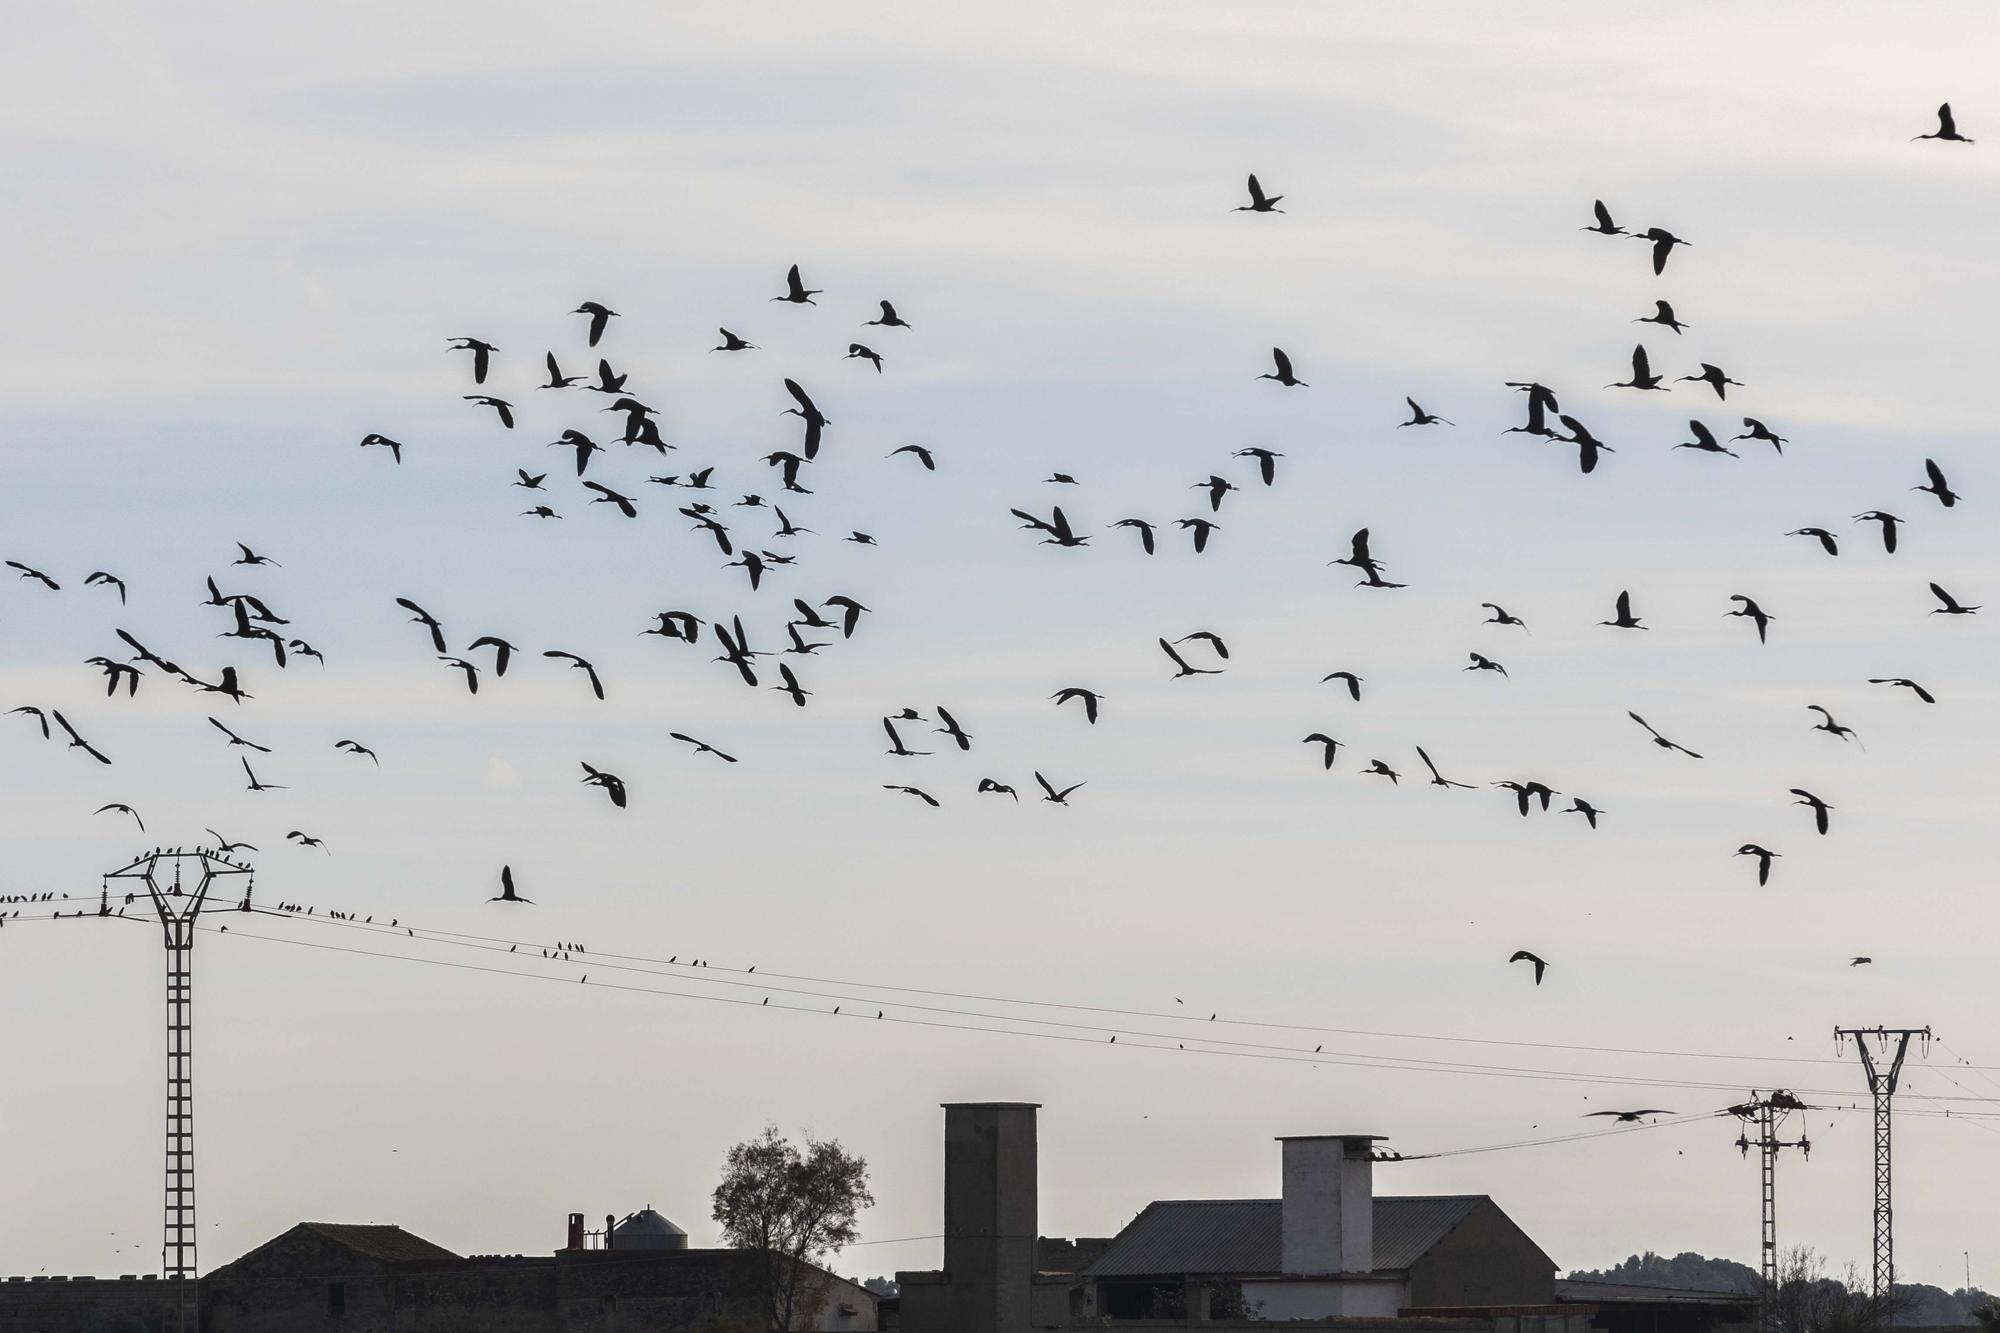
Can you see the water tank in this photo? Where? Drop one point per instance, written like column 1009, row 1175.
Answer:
column 647, row 1230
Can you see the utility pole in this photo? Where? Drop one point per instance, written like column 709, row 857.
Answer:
column 1767, row 1113
column 178, row 884
column 1882, row 1085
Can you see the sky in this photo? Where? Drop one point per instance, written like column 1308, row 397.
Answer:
column 241, row 236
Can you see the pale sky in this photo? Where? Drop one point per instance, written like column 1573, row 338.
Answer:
column 239, row 237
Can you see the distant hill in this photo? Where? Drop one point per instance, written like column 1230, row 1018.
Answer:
column 1928, row 1304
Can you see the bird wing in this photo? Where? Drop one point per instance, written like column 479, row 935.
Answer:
column 1284, row 362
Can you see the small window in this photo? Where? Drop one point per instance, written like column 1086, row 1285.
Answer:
column 336, row 1299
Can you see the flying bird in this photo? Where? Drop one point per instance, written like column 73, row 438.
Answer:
column 1259, row 201
column 1664, row 242
column 1951, row 605
column 896, row 746
column 1713, row 377
column 503, row 651
column 917, row 792
column 507, row 894
column 1145, row 531
column 702, row 747
column 1663, row 314
column 605, row 495
column 357, row 748
column 888, row 319
column 1283, row 374
column 1946, row 496
column 613, row 785
column 558, row 380
column 988, row 785
column 1764, row 857
column 1523, row 956
column 796, row 292
column 807, row 411
column 482, row 355
column 1947, row 127
column 1482, row 663
column 1200, row 528
column 1588, row 446
column 77, row 742
column 1438, row 779
column 1379, row 769
column 1624, row 619
column 862, row 352
column 579, row 664
column 600, row 315
column 1604, row 226
column 122, row 809
column 35, row 574
column 731, row 343
column 1267, row 465
column 1827, row 541
column 1910, row 685
column 1658, row 739
column 960, row 737
column 1642, row 374
column 920, row 453
column 1754, row 429
column 1829, row 726
column 255, row 784
column 1756, row 614
column 374, row 440
column 1052, row 794
column 1628, row 1117
column 1527, row 793
column 307, row 840
column 419, row 616
column 1217, row 487
column 1818, row 807
column 1182, row 663
column 99, row 577
column 235, row 739
column 1501, row 616
column 1348, row 678
column 1704, row 440
column 1091, row 700
column 1419, row 417
column 501, row 407
column 1329, row 747
column 1578, row 806
column 1541, row 402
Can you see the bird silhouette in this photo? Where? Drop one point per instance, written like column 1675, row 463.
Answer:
column 1749, row 609
column 1604, row 226
column 1259, row 201
column 600, row 315
column 1283, row 374
column 35, row 574
column 76, row 742
column 862, row 352
column 556, row 379
column 1818, row 807
column 357, row 748
column 605, row 495
column 419, row 616
column 701, row 747
column 1907, row 684
column 1329, row 746
column 989, row 786
column 1438, row 779
column 808, row 412
column 1628, row 1117
column 1713, row 377
column 1090, row 698
column 1754, row 429
column 1501, row 616
column 1663, row 242
column 101, row 579
column 255, row 783
column 1827, row 724
column 1658, row 739
column 1419, row 417
column 482, row 355
column 471, row 672
column 959, row 736
column 1523, row 956
column 1624, row 619
column 1704, row 440
column 1053, row 795
column 1377, row 768
column 1527, row 793
column 1827, row 541
column 1946, row 496
column 1951, row 606
column 1145, row 530
column 731, row 343
column 1541, row 402
column 1182, row 663
column 1199, row 529
column 1663, row 314
column 235, row 739
column 796, row 292
column 896, row 746
column 122, row 809
column 372, row 440
column 613, row 785
column 1947, row 127
column 888, row 319
column 1352, row 681
column 917, row 792
column 1642, row 374
column 507, row 894
column 1217, row 487
column 501, row 407
column 1483, row 663
column 307, row 840
column 1764, row 857
column 1588, row 446
column 920, row 453
column 1578, row 806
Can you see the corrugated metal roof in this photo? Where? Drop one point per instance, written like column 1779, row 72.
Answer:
column 1587, row 1289
column 1241, row 1236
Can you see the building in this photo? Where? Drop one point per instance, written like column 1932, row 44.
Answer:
column 1326, row 1254
column 323, row 1277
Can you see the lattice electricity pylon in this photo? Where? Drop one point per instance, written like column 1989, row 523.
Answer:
column 178, row 883
column 1882, row 1084
column 1768, row 1112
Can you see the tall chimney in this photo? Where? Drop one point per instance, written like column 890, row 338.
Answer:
column 610, row 1225
column 575, row 1238
column 1327, row 1219
column 989, row 1214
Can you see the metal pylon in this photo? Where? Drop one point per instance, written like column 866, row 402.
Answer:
column 178, row 884
column 1882, row 1085
column 1768, row 1113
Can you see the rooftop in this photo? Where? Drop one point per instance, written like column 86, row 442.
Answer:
column 1217, row 1236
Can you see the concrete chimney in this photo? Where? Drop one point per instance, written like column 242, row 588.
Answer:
column 1327, row 1219
column 989, row 1214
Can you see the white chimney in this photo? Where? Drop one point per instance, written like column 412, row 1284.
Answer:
column 1328, row 1214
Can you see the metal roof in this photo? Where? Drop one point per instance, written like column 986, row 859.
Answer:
column 1242, row 1236
column 389, row 1243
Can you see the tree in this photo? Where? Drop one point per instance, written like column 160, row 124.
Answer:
column 1808, row 1301
column 1988, row 1315
column 797, row 1208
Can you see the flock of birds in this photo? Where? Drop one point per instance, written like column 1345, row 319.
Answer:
column 763, row 660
